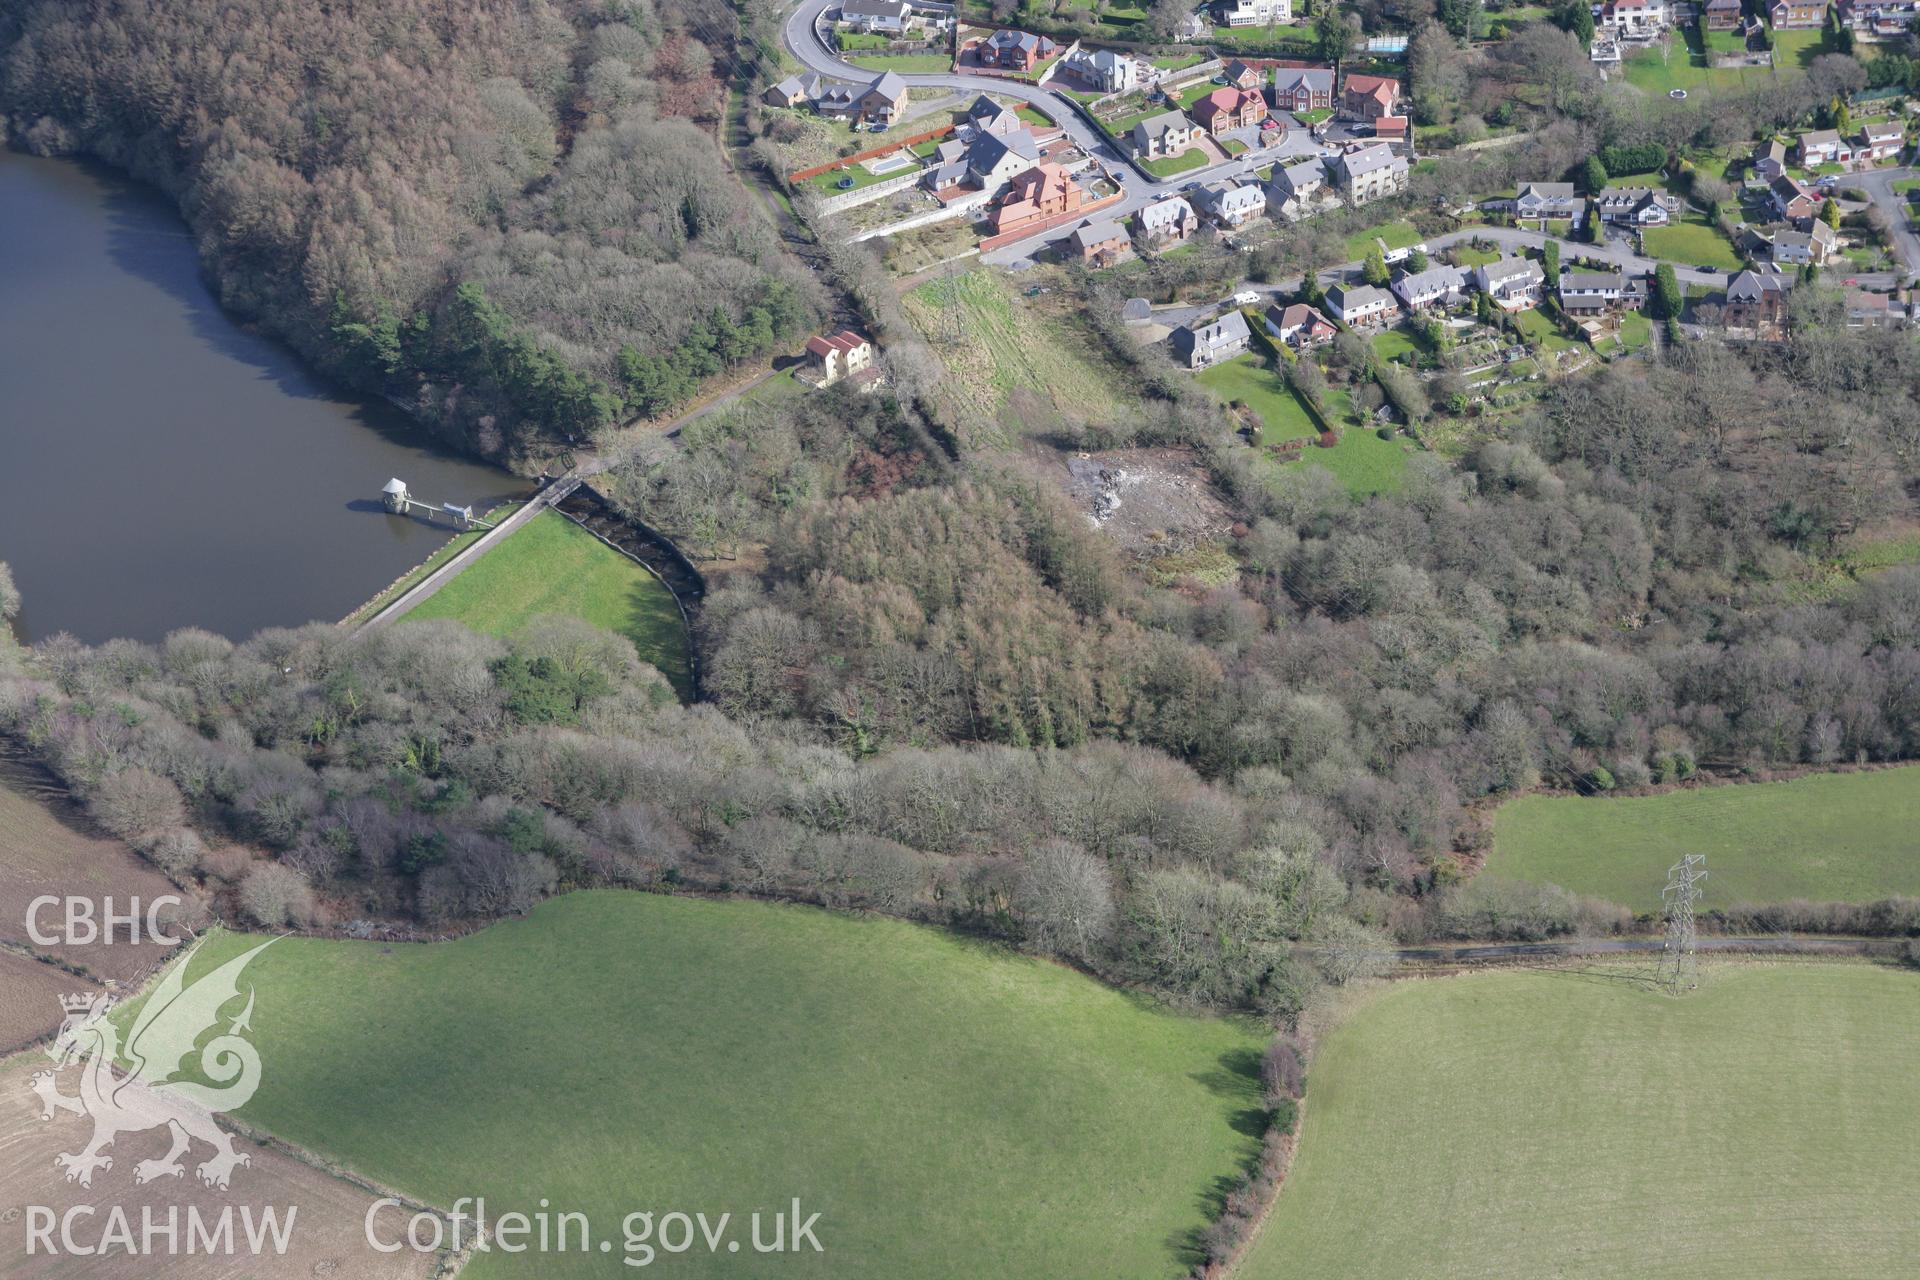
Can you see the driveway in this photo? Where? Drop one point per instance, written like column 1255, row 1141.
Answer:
column 1878, row 184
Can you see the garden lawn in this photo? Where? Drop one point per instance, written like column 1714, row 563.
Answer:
column 948, row 1108
column 552, row 565
column 1468, row 256
column 1695, row 244
column 1842, row 837
column 1186, row 97
column 1518, row 1125
column 1364, row 462
column 1172, row 166
column 1536, row 327
column 929, row 63
column 1687, row 69
column 1391, row 344
column 1248, row 380
column 1636, row 331
column 1397, row 235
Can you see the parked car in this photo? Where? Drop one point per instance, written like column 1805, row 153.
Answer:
column 1245, row 298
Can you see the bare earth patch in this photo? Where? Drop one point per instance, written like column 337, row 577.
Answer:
column 48, row 847
column 1152, row 502
column 30, row 999
column 327, row 1238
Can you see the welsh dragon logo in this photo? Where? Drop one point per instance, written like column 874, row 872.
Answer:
column 150, row 1092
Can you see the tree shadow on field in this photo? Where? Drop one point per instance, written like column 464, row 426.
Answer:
column 1237, row 1076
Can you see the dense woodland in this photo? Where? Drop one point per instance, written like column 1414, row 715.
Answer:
column 944, row 696
column 509, row 215
column 937, row 691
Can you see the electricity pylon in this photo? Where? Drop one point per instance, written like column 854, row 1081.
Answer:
column 1679, row 965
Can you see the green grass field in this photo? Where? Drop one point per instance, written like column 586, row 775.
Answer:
column 949, row 1108
column 1515, row 1126
column 1692, row 243
column 1364, row 462
column 453, row 547
column 552, row 565
column 1011, row 347
column 1842, row 837
column 1249, row 381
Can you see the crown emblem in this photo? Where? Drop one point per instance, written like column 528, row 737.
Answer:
column 79, row 1003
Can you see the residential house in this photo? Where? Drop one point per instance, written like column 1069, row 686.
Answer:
column 1167, row 220
column 1635, row 207
column 1787, row 14
column 1755, row 301
column 1543, row 202
column 1101, row 243
column 988, row 116
column 1878, row 19
column 1106, row 70
column 1823, row 146
column 994, row 159
column 1039, row 194
column 1881, row 140
column 882, row 101
column 838, row 356
column 794, row 91
column 1303, row 89
column 1227, row 109
column 1874, row 310
column 1769, row 160
column 1635, row 19
column 1013, row 50
column 1370, row 97
column 1370, row 172
column 1241, row 74
column 1254, row 13
column 1200, row 345
column 1359, row 305
column 1816, row 245
column 1721, row 15
column 1296, row 184
column 1232, row 204
column 1793, row 202
column 1512, row 283
column 1167, row 134
column 1435, row 287
column 1586, row 293
column 1299, row 325
column 888, row 17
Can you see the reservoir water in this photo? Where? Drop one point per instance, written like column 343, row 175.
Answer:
column 162, row 467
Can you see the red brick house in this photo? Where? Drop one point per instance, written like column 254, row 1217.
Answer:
column 1370, row 97
column 1242, row 75
column 1014, row 50
column 1229, row 108
column 1042, row 192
